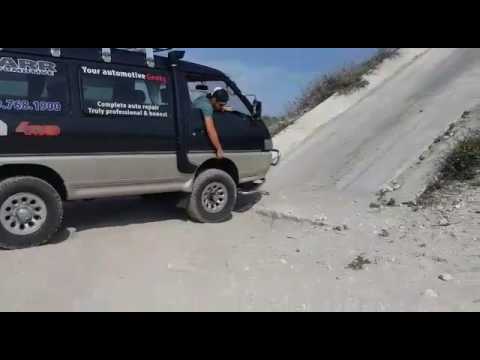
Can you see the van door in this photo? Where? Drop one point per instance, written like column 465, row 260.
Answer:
column 125, row 126
column 127, row 121
column 237, row 130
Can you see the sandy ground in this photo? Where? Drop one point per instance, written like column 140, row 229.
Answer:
column 153, row 260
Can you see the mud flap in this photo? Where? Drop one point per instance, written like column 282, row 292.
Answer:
column 182, row 202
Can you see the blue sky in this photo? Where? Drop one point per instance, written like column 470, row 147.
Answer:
column 276, row 75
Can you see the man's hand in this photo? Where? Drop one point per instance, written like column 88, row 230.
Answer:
column 220, row 154
column 213, row 136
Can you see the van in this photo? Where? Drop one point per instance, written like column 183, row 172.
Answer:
column 88, row 123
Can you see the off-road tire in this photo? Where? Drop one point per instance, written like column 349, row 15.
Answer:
column 53, row 203
column 197, row 211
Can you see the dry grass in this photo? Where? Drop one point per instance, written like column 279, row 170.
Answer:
column 344, row 81
column 276, row 124
column 461, row 165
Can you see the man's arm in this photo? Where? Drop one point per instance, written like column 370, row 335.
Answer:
column 213, row 135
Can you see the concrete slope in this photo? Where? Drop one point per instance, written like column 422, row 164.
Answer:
column 386, row 132
column 294, row 135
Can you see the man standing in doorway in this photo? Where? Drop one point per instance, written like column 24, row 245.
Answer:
column 215, row 101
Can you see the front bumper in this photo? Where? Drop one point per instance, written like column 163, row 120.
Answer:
column 276, row 158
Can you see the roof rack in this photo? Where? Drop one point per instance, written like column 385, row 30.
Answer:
column 107, row 53
column 149, row 53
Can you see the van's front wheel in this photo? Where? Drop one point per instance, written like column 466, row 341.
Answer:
column 213, row 197
column 31, row 211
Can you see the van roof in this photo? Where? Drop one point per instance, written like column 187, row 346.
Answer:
column 120, row 57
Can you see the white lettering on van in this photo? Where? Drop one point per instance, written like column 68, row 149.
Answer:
column 93, row 111
column 87, row 70
column 27, row 66
column 3, row 129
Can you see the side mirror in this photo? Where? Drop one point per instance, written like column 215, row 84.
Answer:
column 257, row 110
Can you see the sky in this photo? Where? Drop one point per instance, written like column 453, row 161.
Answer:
column 276, row 75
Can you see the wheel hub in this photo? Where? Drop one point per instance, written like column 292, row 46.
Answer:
column 23, row 214
column 214, row 197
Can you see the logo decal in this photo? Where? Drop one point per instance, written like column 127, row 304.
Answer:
column 37, row 130
column 26, row 66
column 3, row 129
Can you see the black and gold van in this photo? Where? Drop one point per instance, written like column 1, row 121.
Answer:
column 86, row 123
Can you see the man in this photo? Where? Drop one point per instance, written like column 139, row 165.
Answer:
column 215, row 101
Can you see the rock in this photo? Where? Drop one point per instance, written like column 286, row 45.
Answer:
column 345, row 227
column 387, row 189
column 422, row 157
column 338, row 228
column 359, row 263
column 443, row 222
column 391, row 202
column 410, row 204
column 430, row 293
column 320, row 218
column 374, row 205
column 297, row 251
column 437, row 140
column 446, row 277
column 384, row 233
column 438, row 259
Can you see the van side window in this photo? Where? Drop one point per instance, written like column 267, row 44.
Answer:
column 25, row 87
column 108, row 92
column 196, row 90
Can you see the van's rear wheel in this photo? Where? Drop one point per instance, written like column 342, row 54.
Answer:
column 213, row 197
column 31, row 212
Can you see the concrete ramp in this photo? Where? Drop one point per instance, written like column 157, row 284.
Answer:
column 382, row 135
